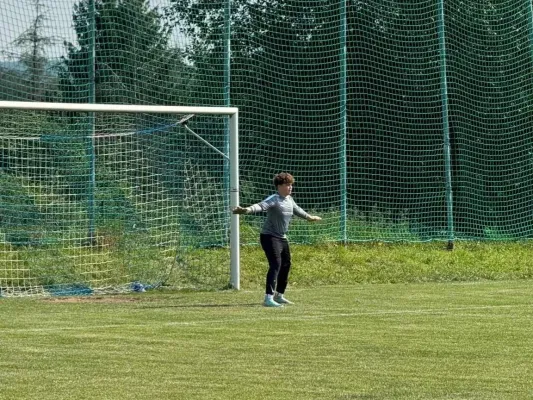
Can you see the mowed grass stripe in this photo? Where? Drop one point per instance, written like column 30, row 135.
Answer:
column 213, row 324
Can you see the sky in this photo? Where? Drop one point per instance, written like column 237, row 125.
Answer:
column 16, row 16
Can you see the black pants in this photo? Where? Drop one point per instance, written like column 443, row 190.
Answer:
column 278, row 255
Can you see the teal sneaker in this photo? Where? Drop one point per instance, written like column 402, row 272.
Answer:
column 271, row 303
column 280, row 299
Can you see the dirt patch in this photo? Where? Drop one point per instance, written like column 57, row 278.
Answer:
column 93, row 299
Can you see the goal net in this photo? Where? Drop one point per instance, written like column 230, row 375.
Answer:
column 105, row 198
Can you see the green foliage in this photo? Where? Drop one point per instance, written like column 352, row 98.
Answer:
column 378, row 262
column 119, row 258
column 115, row 203
column 16, row 202
column 44, row 148
column 33, row 43
column 134, row 64
column 359, row 227
column 26, row 125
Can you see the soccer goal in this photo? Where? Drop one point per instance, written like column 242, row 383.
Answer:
column 101, row 198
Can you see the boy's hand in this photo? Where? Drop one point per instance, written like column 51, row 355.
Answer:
column 240, row 210
column 313, row 218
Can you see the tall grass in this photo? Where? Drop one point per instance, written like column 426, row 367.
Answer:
column 378, row 262
column 312, row 264
column 123, row 254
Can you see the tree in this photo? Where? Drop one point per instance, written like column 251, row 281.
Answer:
column 127, row 44
column 284, row 68
column 133, row 61
column 33, row 43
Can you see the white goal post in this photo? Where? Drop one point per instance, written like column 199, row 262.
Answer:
column 233, row 157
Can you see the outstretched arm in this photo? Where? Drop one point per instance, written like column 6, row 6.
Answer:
column 254, row 208
column 302, row 214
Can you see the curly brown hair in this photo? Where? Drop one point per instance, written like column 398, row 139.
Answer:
column 283, row 178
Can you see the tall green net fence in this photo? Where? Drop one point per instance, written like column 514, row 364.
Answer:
column 401, row 121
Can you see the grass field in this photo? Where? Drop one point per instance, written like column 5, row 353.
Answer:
column 367, row 341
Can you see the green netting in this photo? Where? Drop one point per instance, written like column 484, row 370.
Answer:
column 401, row 120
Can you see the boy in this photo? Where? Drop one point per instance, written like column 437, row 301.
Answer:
column 280, row 207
